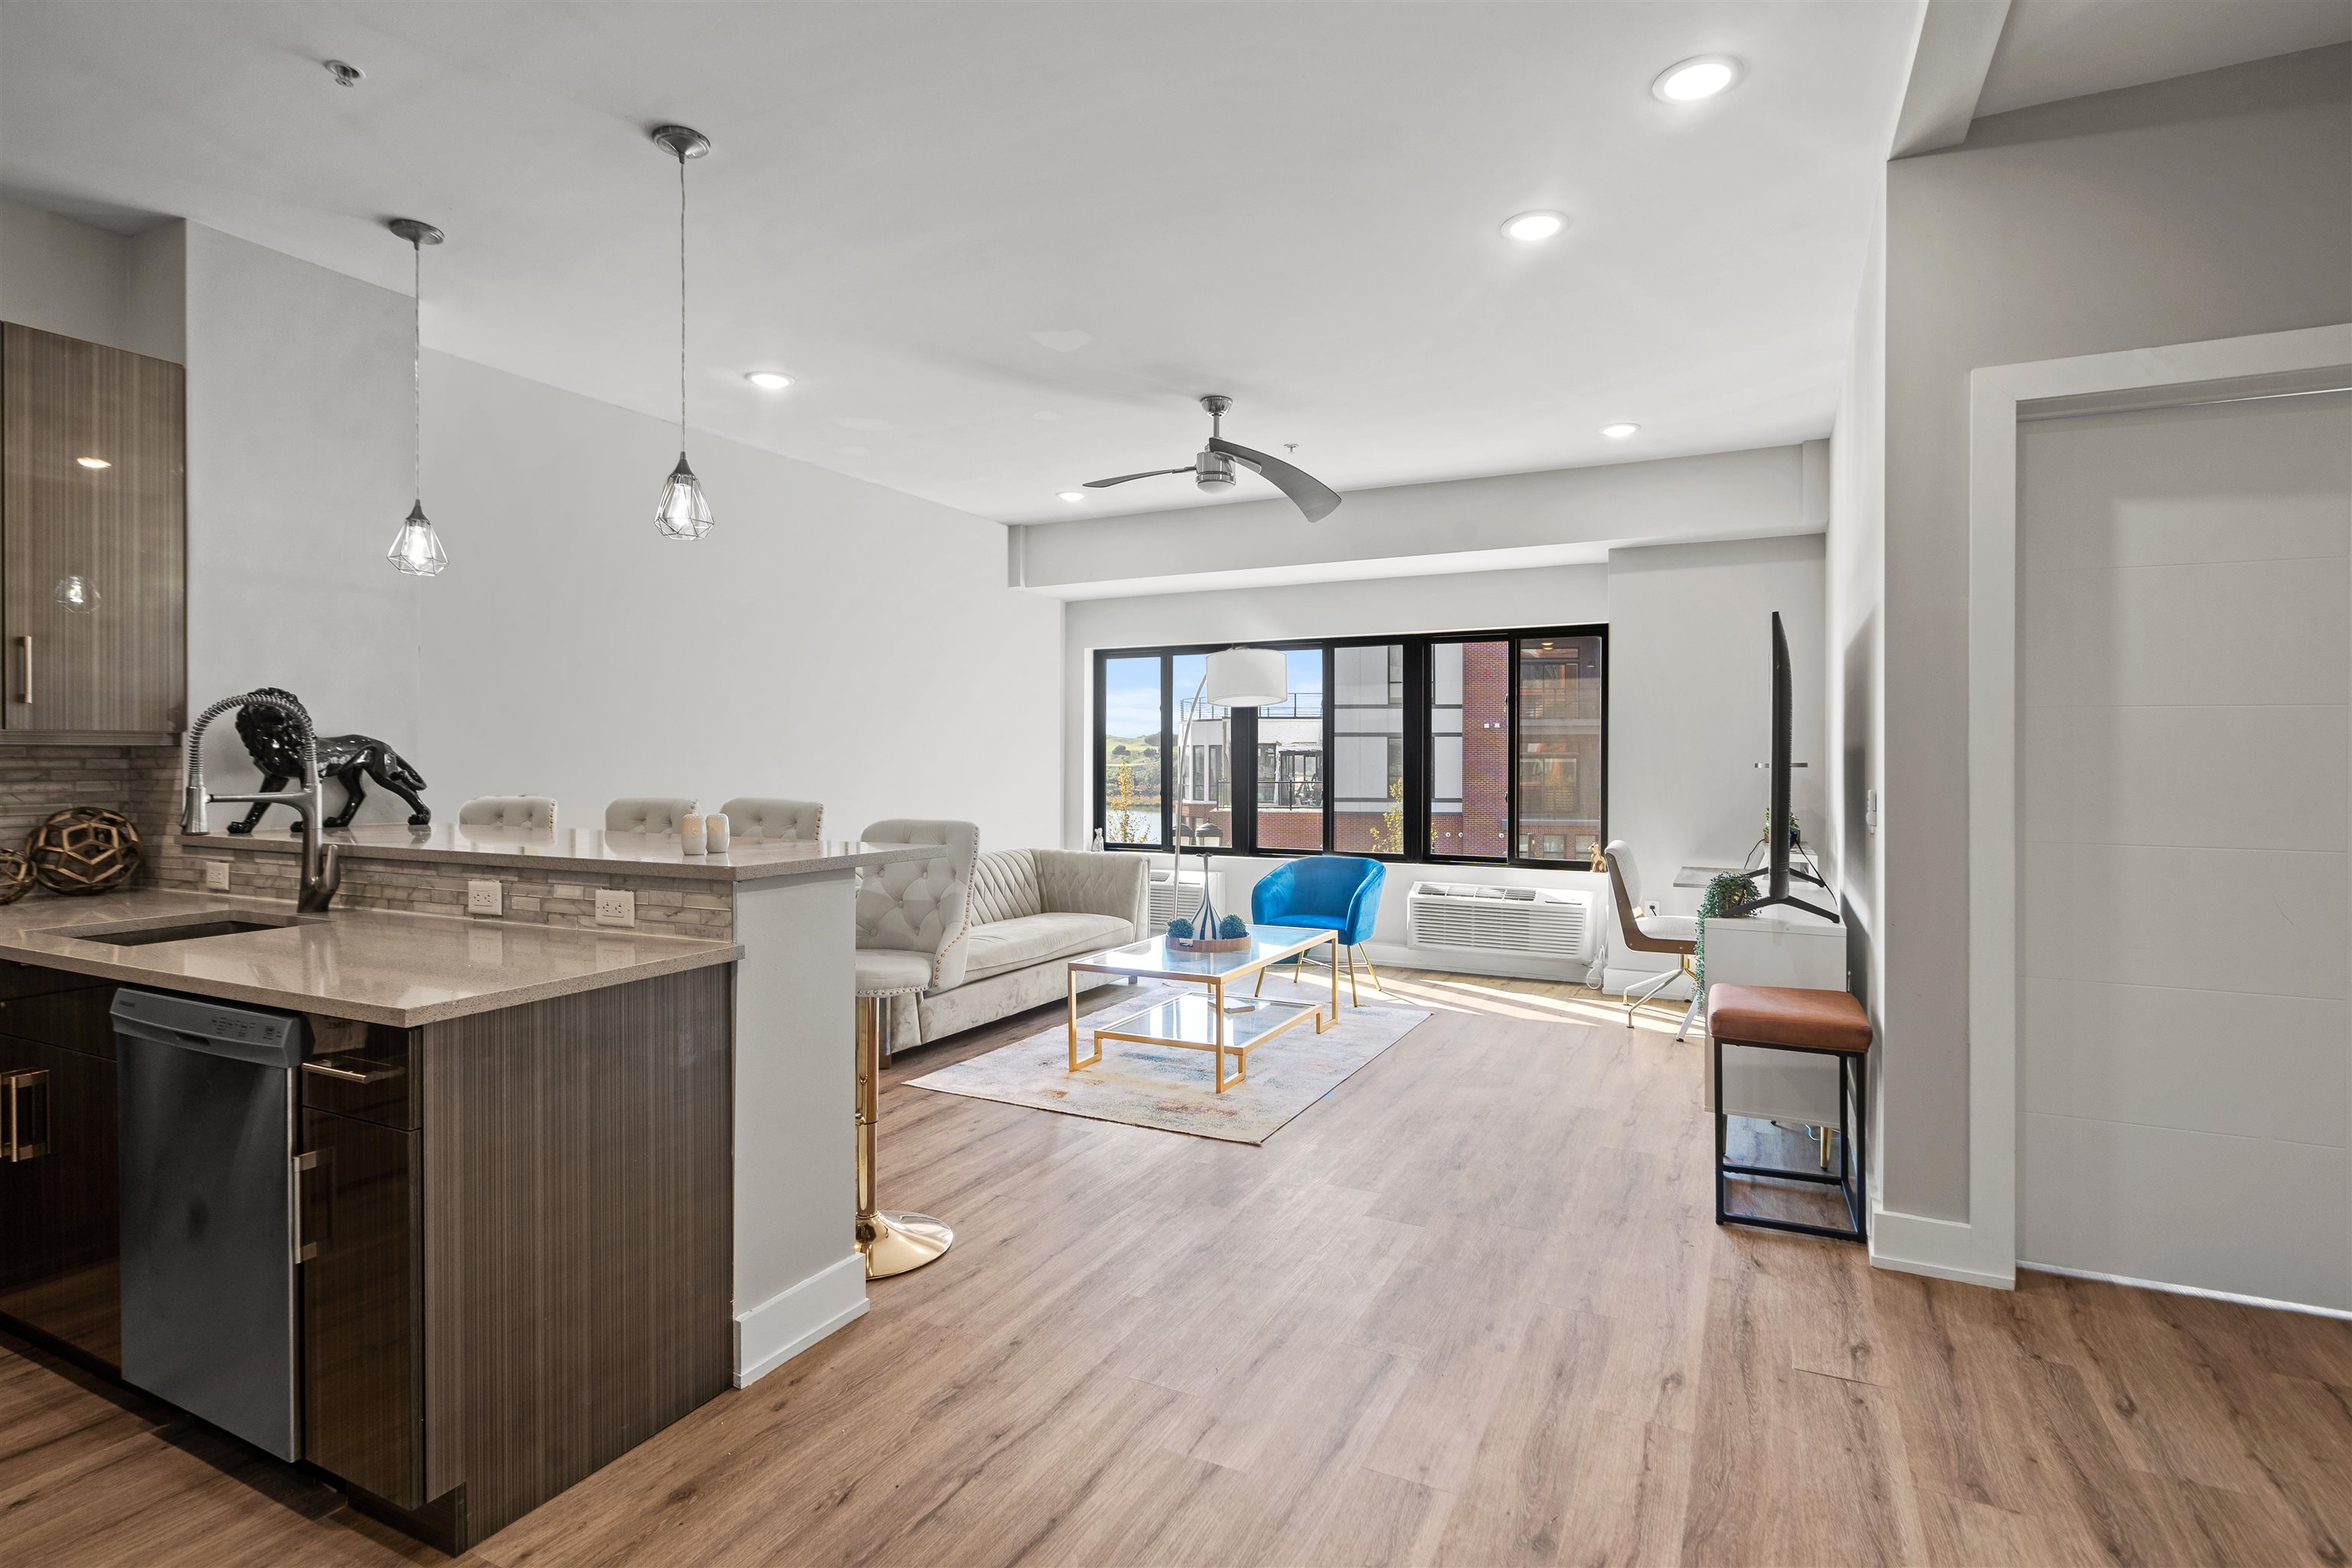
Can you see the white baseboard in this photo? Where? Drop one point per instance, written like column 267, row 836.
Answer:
column 785, row 1324
column 2170, row 1289
column 1940, row 1248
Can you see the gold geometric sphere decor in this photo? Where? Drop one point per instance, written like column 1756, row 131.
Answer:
column 16, row 875
column 84, row 850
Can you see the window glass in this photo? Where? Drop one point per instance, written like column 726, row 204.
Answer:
column 1204, row 790
column 1469, row 749
column 1130, row 781
column 1560, row 747
column 1290, row 759
column 1368, row 750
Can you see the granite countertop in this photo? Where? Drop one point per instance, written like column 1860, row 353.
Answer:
column 578, row 849
column 370, row 964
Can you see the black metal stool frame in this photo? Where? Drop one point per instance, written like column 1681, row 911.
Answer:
column 1853, row 1078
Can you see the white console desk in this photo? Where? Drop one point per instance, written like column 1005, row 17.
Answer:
column 1779, row 947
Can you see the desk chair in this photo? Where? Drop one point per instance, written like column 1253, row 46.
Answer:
column 1677, row 934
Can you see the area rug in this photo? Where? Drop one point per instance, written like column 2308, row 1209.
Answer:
column 1173, row 1089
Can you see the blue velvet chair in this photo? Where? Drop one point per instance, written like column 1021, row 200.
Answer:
column 1328, row 892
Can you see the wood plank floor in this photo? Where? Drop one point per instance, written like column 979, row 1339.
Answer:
column 1470, row 1309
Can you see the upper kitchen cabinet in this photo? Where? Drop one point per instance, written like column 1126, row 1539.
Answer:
column 93, row 540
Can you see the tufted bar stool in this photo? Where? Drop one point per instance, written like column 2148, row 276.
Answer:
column 913, row 917
column 753, row 816
column 646, row 813
column 507, row 810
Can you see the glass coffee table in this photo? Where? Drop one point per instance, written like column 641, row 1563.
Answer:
column 1204, row 1020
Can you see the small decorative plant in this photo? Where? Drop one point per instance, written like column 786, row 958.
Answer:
column 1727, row 895
column 1180, row 928
column 1233, row 926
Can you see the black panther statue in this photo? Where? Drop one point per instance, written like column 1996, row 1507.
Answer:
column 277, row 748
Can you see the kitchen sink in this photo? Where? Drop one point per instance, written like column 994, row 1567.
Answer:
column 183, row 930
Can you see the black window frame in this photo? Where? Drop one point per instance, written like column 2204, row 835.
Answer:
column 1418, row 742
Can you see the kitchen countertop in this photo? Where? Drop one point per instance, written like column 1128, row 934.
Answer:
column 370, row 964
column 577, row 849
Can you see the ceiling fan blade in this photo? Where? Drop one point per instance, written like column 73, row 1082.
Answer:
column 1148, row 474
column 1310, row 494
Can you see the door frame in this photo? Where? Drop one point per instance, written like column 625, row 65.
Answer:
column 1984, row 1248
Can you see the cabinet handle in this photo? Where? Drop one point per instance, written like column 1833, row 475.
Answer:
column 26, row 644
column 306, row 1244
column 366, row 1072
column 23, row 1089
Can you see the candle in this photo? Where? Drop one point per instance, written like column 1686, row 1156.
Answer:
column 691, row 833
column 715, row 831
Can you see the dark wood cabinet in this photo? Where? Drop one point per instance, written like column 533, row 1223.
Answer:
column 362, row 1306
column 93, row 490
column 60, row 1210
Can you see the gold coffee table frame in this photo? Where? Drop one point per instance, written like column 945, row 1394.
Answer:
column 1201, row 1023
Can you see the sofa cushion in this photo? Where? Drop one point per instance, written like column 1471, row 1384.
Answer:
column 1015, row 944
column 882, row 971
column 1004, row 887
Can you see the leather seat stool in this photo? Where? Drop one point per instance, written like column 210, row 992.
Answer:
column 1815, row 1022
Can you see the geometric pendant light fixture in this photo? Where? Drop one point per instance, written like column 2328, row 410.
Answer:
column 683, row 511
column 416, row 549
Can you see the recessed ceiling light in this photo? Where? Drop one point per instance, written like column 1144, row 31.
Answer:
column 1695, row 78
column 1528, row 227
column 93, row 462
column 1617, row 432
column 1074, row 496
column 768, row 380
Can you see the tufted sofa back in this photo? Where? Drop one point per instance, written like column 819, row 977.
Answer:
column 754, row 816
column 1004, row 887
column 921, row 906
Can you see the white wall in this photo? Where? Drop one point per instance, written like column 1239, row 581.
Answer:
column 1690, row 701
column 1854, row 652
column 299, row 474
column 63, row 276
column 830, row 641
column 1561, row 516
column 2209, row 206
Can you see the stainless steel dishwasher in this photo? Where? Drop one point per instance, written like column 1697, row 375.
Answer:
column 207, row 1097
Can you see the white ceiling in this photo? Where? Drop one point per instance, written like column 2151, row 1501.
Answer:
column 1004, row 246
column 2052, row 50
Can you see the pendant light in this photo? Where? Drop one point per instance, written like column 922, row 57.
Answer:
column 683, row 513
column 417, row 550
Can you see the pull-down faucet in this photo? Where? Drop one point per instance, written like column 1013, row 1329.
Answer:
column 322, row 869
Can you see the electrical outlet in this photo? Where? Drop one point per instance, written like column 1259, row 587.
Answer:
column 615, row 907
column 482, row 897
column 216, row 876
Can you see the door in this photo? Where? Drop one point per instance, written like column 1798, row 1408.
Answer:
column 93, row 550
column 59, row 1270
column 2185, row 667
column 362, row 1317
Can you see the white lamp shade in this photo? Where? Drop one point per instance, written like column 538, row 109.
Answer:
column 1247, row 677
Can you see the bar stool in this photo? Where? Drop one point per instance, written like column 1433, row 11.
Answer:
column 507, row 810
column 1813, row 1023
column 646, row 813
column 758, row 816
column 912, row 919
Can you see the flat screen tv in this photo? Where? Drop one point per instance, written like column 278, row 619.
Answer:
column 1779, row 841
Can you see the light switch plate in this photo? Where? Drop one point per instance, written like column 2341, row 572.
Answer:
column 483, row 897
column 615, row 907
column 216, row 876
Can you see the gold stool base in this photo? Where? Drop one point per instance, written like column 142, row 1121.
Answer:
column 901, row 1243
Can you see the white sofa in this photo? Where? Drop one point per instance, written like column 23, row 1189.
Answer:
column 1030, row 911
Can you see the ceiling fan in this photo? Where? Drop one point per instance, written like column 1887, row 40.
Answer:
column 1214, row 469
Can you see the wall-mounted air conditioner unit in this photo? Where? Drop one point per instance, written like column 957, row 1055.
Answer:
column 1519, row 923
column 1171, row 898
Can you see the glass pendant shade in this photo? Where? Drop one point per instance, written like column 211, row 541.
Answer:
column 683, row 513
column 417, row 550
column 77, row 594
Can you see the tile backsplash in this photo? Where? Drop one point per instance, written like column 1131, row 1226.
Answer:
column 143, row 783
